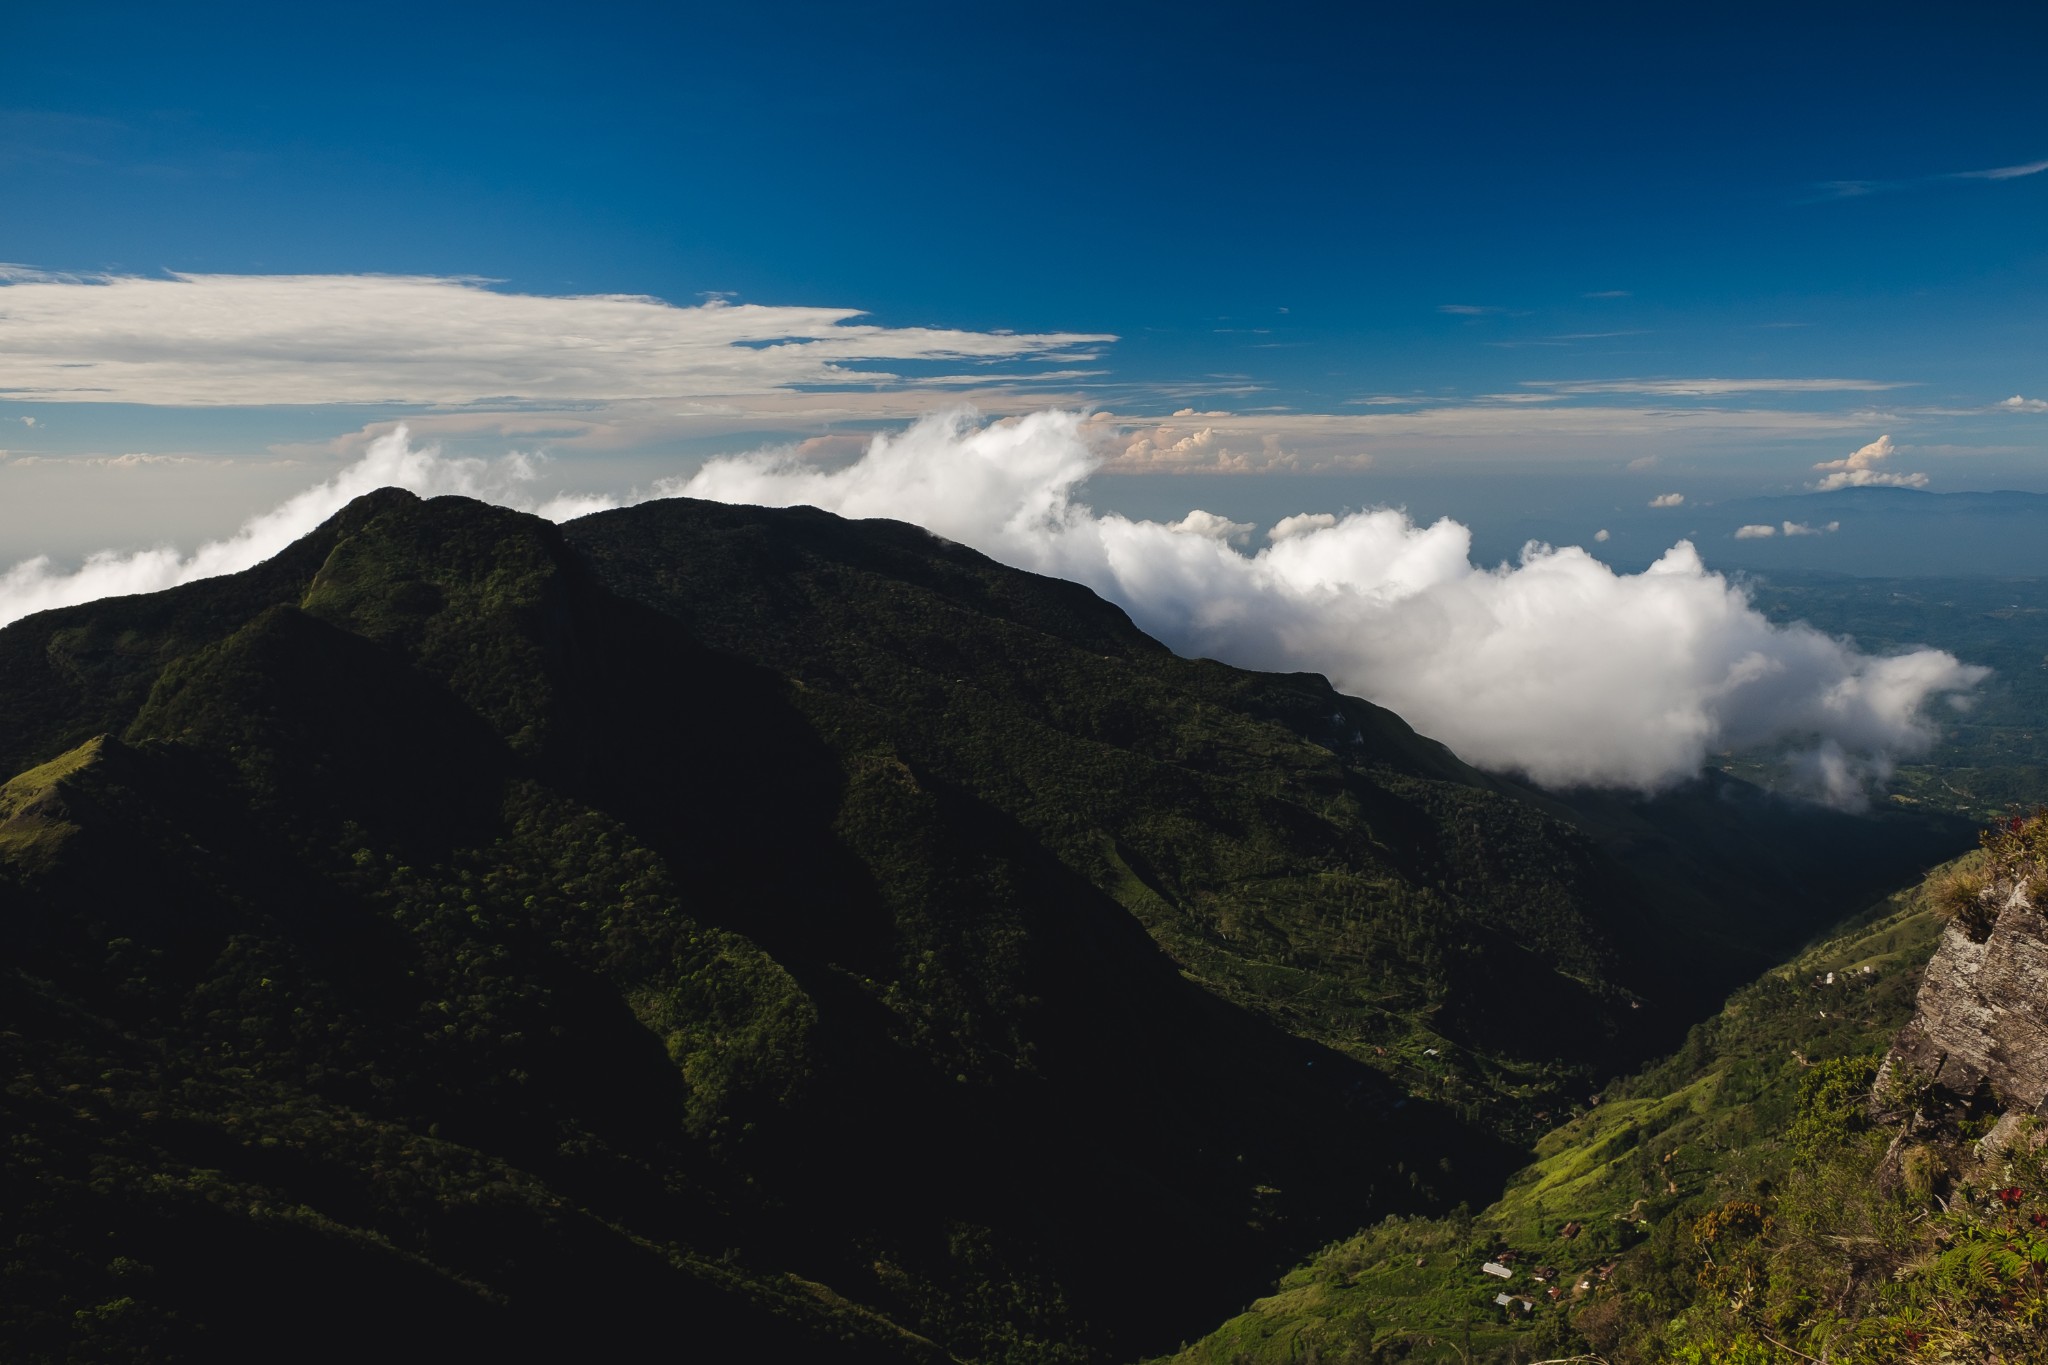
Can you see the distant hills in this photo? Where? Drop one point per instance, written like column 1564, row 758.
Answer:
column 787, row 937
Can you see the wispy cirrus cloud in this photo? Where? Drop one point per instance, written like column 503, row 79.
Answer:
column 1858, row 189
column 434, row 341
column 1712, row 388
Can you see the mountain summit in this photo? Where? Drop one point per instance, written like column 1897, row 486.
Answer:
column 792, row 938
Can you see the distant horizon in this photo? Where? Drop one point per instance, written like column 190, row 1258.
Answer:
column 1466, row 261
column 1370, row 342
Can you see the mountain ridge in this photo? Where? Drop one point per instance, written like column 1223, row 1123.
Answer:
column 790, row 903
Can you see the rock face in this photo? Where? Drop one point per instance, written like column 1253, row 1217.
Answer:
column 1982, row 1016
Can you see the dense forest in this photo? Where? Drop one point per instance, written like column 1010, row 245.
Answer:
column 794, row 939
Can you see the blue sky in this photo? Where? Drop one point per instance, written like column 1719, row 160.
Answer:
column 1471, row 258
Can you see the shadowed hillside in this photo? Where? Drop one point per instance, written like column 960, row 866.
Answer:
column 796, row 938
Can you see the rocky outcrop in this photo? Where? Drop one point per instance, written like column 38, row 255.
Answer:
column 1982, row 1015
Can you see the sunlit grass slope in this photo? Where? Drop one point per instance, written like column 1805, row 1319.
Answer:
column 1614, row 1195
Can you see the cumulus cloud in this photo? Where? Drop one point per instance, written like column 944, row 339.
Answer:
column 1601, row 535
column 1556, row 667
column 251, row 340
column 1800, row 528
column 390, row 461
column 1860, row 469
column 1200, row 523
column 1757, row 531
column 1210, row 443
column 1301, row 524
column 2016, row 403
column 1668, row 500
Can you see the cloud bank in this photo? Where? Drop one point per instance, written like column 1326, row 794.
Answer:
column 254, row 340
column 1556, row 667
column 391, row 461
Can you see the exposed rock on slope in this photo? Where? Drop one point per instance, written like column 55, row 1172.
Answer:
column 1982, row 1016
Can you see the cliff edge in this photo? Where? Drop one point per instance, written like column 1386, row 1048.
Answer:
column 1981, row 1021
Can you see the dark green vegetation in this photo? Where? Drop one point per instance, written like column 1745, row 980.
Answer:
column 768, row 935
column 1624, row 1179
column 1992, row 758
column 1429, row 900
column 1748, row 1201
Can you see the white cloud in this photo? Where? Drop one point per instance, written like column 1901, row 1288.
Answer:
column 1300, row 524
column 1756, row 531
column 1668, row 500
column 254, row 340
column 1200, row 523
column 1856, row 189
column 37, row 584
column 1217, row 446
column 1558, row 667
column 28, row 421
column 615, row 372
column 1859, row 469
column 2019, row 404
column 1601, row 535
column 1800, row 528
column 2003, row 172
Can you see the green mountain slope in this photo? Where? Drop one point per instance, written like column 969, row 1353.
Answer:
column 787, row 937
column 1476, row 915
column 1747, row 1201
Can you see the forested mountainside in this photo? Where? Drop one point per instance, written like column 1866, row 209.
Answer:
column 1719, row 876
column 1769, row 1195
column 789, row 938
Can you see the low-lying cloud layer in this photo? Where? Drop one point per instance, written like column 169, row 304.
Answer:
column 1557, row 667
column 391, row 461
